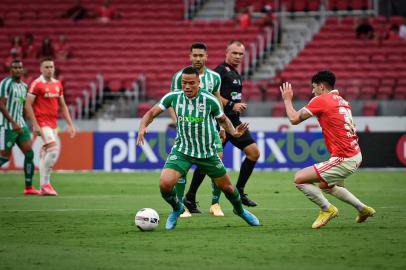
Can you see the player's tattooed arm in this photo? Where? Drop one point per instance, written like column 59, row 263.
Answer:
column 226, row 124
column 304, row 114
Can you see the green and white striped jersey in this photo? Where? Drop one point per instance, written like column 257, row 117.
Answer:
column 195, row 129
column 15, row 94
column 209, row 81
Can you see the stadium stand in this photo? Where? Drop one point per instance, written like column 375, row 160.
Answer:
column 121, row 50
column 366, row 69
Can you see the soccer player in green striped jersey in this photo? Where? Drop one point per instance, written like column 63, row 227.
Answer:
column 194, row 143
column 13, row 92
column 211, row 82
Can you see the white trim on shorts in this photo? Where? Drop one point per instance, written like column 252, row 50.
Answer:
column 336, row 169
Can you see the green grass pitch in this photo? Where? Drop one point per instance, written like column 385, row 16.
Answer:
column 90, row 226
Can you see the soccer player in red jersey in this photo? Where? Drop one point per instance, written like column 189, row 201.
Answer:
column 335, row 119
column 43, row 100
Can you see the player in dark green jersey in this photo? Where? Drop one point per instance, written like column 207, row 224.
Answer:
column 194, row 143
column 13, row 129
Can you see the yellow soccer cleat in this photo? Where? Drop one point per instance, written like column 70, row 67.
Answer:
column 364, row 214
column 215, row 209
column 186, row 214
column 325, row 216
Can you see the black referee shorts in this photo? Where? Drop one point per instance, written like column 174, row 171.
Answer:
column 241, row 142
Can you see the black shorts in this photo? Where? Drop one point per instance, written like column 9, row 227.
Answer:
column 241, row 142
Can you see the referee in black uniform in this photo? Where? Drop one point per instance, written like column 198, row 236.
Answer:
column 230, row 91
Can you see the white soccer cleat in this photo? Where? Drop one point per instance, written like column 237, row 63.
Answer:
column 186, row 214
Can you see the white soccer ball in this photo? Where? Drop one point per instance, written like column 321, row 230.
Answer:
column 147, row 219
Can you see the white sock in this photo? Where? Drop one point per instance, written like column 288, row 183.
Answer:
column 346, row 196
column 47, row 161
column 315, row 195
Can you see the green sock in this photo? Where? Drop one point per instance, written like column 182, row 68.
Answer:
column 170, row 197
column 234, row 198
column 180, row 187
column 216, row 192
column 29, row 168
column 3, row 160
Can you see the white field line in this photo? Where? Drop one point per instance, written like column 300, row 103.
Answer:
column 159, row 210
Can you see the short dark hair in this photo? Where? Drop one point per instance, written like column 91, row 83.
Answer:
column 47, row 58
column 325, row 77
column 198, row 45
column 16, row 61
column 190, row 70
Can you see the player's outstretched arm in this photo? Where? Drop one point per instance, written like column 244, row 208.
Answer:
column 145, row 121
column 229, row 128
column 295, row 117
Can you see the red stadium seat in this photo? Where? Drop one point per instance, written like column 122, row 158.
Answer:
column 370, row 108
column 143, row 108
column 278, row 110
column 367, row 92
column 384, row 92
column 400, row 92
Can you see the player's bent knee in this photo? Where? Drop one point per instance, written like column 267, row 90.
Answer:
column 228, row 188
column 165, row 186
column 297, row 178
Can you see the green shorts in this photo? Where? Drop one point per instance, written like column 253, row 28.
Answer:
column 12, row 137
column 212, row 166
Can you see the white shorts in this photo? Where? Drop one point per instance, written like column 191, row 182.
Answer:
column 336, row 169
column 50, row 135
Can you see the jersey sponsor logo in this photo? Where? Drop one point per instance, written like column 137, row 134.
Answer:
column 237, row 82
column 19, row 100
column 51, row 95
column 235, row 96
column 173, row 157
column 191, row 119
column 201, row 107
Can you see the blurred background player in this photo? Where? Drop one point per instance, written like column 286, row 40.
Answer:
column 43, row 101
column 231, row 93
column 194, row 109
column 209, row 81
column 13, row 129
column 335, row 119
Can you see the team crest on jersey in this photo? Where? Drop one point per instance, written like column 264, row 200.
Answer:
column 47, row 89
column 57, row 89
column 201, row 107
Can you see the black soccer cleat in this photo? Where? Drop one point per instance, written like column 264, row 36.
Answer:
column 246, row 201
column 191, row 206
